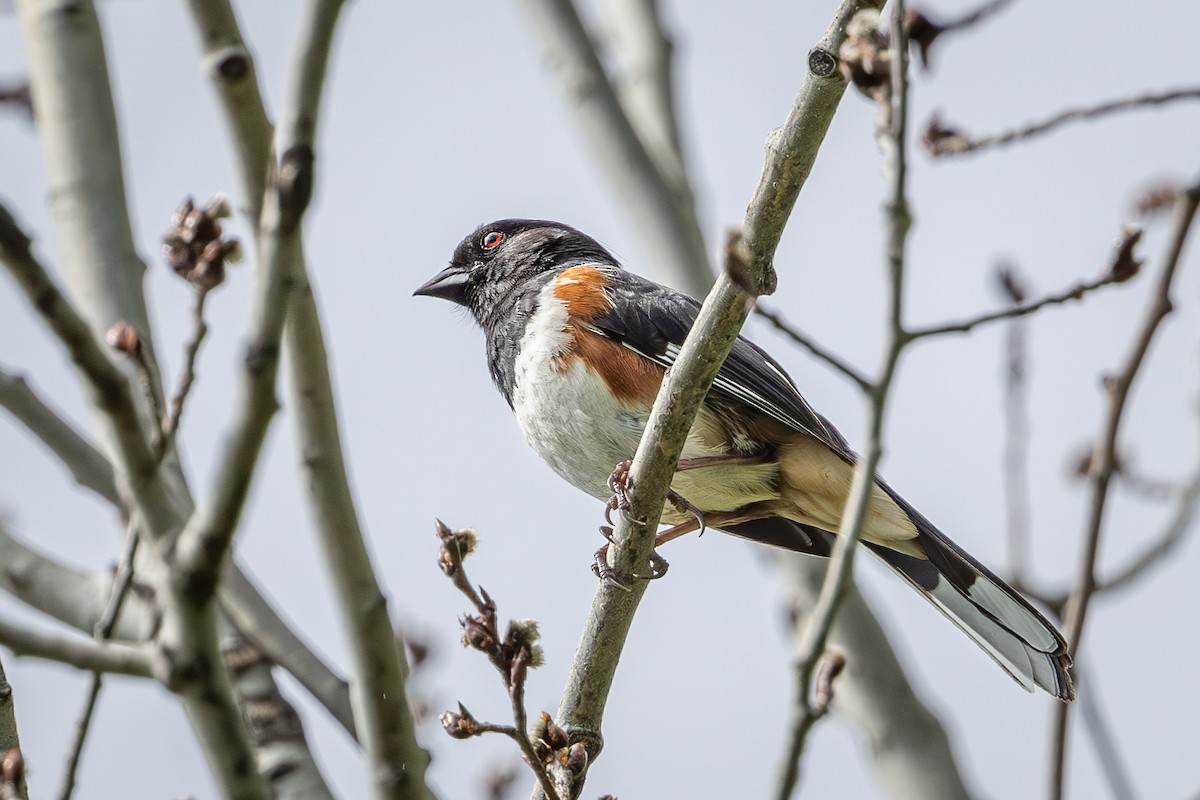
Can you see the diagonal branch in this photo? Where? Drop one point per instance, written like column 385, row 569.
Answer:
column 87, row 465
column 829, row 357
column 897, row 221
column 748, row 273
column 136, row 660
column 385, row 728
column 1105, row 463
column 660, row 204
column 943, row 140
column 108, row 387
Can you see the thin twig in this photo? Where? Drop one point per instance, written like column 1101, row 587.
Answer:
column 1075, row 292
column 122, row 580
column 897, row 221
column 809, row 344
column 170, row 423
column 944, row 140
column 1016, row 450
column 510, row 658
column 1104, row 467
column 1180, row 524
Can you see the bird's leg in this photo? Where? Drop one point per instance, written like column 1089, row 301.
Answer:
column 658, row 564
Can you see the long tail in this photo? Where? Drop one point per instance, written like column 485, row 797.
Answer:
column 992, row 613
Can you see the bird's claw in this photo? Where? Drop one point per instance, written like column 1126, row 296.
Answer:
column 602, row 570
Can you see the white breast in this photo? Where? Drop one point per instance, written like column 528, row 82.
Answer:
column 565, row 410
column 573, row 421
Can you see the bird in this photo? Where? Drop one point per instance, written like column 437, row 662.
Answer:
column 578, row 347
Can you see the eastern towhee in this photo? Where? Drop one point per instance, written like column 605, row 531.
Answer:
column 578, row 347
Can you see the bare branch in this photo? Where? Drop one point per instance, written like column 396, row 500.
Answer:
column 812, row 643
column 799, row 337
column 73, row 597
column 275, row 727
column 109, row 387
column 943, row 140
column 187, row 377
column 660, row 203
column 255, row 619
column 136, row 660
column 385, row 729
column 1104, row 466
column 104, row 628
column 1121, row 270
column 1184, row 513
column 87, row 465
column 748, row 272
column 511, row 654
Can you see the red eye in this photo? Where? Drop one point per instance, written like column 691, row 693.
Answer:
column 491, row 240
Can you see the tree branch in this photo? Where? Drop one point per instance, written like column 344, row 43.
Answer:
column 87, row 465
column 1075, row 292
column 829, row 357
column 73, row 597
column 897, row 221
column 385, row 729
column 660, row 204
column 944, row 140
column 108, row 386
column 1105, row 462
column 748, row 273
column 136, row 660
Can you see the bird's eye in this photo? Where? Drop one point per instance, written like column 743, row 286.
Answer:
column 492, row 240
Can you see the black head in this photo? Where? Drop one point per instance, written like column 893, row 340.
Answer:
column 502, row 256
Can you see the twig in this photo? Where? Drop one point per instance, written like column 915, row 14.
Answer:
column 1016, row 438
column 122, row 580
column 812, row 643
column 87, row 465
column 1180, row 524
column 800, row 338
column 1076, row 292
column 170, row 424
column 944, row 140
column 791, row 152
column 1118, row 387
column 231, row 67
column 660, row 208
column 511, row 654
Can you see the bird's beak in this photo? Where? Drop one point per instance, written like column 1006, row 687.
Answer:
column 449, row 284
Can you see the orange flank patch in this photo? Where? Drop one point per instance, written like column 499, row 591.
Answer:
column 633, row 379
column 582, row 289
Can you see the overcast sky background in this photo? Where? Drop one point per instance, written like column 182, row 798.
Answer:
column 440, row 116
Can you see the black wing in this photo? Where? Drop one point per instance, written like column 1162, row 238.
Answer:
column 653, row 321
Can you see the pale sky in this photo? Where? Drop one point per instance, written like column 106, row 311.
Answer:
column 440, row 116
